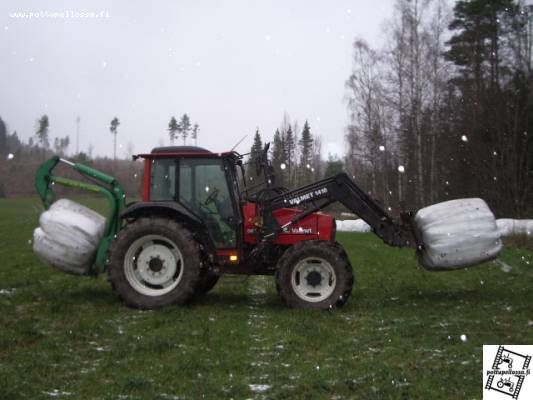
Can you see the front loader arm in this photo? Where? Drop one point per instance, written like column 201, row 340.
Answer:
column 105, row 184
column 341, row 188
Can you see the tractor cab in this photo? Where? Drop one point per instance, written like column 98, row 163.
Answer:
column 205, row 184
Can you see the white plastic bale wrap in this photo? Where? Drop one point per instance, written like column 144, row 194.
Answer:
column 68, row 236
column 457, row 234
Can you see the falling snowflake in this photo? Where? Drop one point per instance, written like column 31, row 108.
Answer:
column 283, row 166
column 464, row 138
column 401, row 169
column 381, row 148
column 10, row 156
column 463, row 338
column 104, row 64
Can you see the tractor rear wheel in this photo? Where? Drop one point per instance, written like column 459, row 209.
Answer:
column 154, row 262
column 314, row 274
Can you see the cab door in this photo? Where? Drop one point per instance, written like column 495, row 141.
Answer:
column 203, row 188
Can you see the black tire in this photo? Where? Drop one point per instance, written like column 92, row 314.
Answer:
column 330, row 259
column 207, row 281
column 125, row 274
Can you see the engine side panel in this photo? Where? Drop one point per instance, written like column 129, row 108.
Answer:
column 315, row 226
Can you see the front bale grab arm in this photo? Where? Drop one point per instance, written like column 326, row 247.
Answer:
column 113, row 191
column 340, row 188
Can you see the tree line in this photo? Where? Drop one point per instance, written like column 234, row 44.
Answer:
column 296, row 155
column 444, row 109
column 183, row 128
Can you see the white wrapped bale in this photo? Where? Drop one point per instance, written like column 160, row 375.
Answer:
column 68, row 236
column 457, row 234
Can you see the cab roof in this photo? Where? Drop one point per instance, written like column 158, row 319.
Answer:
column 183, row 151
column 179, row 149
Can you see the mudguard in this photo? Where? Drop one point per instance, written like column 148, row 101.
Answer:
column 176, row 211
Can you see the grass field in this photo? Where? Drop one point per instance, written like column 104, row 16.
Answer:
column 398, row 337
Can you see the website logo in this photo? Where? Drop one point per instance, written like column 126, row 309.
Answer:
column 507, row 373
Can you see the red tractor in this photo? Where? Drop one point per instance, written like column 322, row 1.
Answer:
column 199, row 219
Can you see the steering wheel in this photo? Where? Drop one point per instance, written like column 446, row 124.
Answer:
column 211, row 198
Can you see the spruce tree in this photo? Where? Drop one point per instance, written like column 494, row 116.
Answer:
column 113, row 129
column 172, row 129
column 279, row 160
column 306, row 155
column 194, row 133
column 289, row 146
column 42, row 131
column 255, row 153
column 185, row 127
column 3, row 139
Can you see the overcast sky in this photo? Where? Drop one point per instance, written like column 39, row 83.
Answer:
column 231, row 65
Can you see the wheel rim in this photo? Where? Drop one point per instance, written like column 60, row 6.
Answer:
column 313, row 279
column 153, row 265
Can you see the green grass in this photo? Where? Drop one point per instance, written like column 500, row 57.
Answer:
column 397, row 338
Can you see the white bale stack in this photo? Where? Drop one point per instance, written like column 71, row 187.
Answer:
column 457, row 234
column 68, row 236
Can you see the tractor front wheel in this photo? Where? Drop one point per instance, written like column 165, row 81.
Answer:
column 154, row 262
column 314, row 274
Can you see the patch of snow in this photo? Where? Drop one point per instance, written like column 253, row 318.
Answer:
column 504, row 267
column 8, row 292
column 57, row 393
column 348, row 214
column 508, row 226
column 353, row 225
column 259, row 388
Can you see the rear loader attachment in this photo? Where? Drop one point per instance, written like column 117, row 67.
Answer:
column 103, row 183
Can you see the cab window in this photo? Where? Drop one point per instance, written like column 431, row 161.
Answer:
column 163, row 179
column 203, row 188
